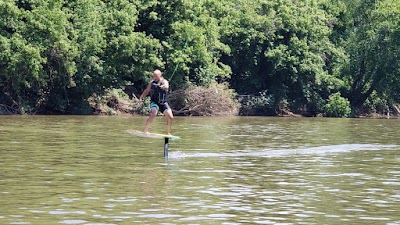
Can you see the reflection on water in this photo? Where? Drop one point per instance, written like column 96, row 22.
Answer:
column 88, row 170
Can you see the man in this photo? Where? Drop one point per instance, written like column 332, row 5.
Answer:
column 158, row 89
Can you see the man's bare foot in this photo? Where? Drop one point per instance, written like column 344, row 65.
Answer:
column 146, row 132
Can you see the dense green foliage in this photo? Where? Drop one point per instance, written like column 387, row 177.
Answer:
column 56, row 54
column 337, row 106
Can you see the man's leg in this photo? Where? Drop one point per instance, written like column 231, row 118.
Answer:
column 153, row 114
column 170, row 117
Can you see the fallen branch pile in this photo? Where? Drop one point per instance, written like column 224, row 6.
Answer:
column 215, row 100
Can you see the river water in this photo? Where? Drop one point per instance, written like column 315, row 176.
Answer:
column 240, row 170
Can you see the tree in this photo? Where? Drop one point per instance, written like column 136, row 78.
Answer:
column 55, row 54
column 373, row 47
column 36, row 53
column 284, row 48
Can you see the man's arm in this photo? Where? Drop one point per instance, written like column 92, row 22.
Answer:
column 145, row 92
column 165, row 85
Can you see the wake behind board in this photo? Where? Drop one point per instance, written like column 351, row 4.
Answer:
column 139, row 133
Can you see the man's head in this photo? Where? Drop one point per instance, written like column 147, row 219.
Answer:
column 157, row 75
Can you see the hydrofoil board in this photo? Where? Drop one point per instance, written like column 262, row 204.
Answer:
column 139, row 133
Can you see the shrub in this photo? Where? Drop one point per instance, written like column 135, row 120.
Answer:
column 337, row 106
column 214, row 100
column 263, row 104
column 375, row 104
column 144, row 108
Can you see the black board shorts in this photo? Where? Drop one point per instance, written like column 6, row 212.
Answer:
column 160, row 106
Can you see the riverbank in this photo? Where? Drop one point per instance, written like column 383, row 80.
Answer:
column 214, row 100
column 125, row 108
column 112, row 106
column 217, row 100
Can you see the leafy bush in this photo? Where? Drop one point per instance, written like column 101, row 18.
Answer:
column 375, row 104
column 214, row 100
column 144, row 108
column 337, row 106
column 264, row 104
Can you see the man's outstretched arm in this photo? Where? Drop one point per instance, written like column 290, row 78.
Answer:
column 145, row 92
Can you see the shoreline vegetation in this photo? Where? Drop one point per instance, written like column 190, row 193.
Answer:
column 196, row 101
column 312, row 58
column 215, row 100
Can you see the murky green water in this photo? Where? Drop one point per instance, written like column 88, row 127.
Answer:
column 89, row 170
